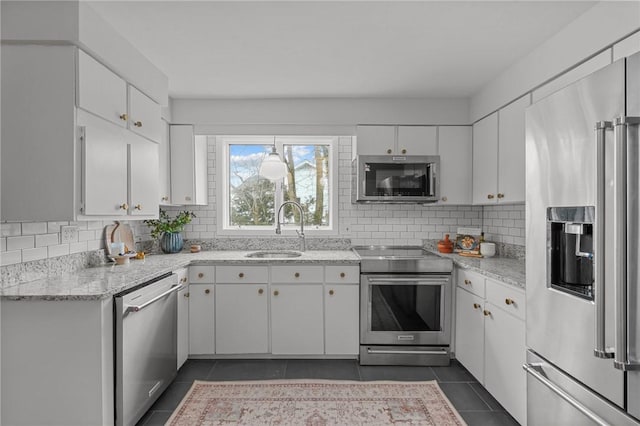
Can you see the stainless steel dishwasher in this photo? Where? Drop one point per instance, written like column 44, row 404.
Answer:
column 145, row 346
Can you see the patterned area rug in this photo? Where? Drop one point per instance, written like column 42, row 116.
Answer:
column 315, row 403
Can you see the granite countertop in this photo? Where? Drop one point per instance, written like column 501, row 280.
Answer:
column 504, row 269
column 103, row 282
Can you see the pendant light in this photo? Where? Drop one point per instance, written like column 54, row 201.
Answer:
column 272, row 167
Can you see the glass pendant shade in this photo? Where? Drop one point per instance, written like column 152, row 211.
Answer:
column 272, row 167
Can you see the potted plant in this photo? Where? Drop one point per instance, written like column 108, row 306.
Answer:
column 169, row 230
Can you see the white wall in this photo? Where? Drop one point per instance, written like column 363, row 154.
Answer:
column 599, row 27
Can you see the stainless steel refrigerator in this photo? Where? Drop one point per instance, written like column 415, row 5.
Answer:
column 583, row 251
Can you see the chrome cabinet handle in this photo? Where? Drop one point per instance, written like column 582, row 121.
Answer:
column 600, row 349
column 138, row 308
column 531, row 369
column 624, row 168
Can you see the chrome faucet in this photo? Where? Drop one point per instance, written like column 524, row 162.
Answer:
column 301, row 231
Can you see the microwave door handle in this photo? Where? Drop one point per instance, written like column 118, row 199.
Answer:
column 600, row 349
column 623, row 187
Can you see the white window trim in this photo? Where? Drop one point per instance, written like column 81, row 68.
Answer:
column 289, row 230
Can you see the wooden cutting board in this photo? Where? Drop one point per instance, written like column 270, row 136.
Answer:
column 119, row 233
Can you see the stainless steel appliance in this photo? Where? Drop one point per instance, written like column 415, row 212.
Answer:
column 405, row 306
column 396, row 178
column 145, row 346
column 583, row 251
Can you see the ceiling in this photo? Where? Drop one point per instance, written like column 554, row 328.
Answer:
column 322, row 49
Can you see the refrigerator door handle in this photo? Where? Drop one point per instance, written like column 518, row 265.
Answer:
column 622, row 360
column 600, row 350
column 532, row 369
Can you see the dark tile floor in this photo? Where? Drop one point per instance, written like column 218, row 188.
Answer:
column 474, row 403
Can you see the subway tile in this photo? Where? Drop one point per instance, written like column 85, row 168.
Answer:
column 33, row 228
column 59, row 250
column 78, row 247
column 47, row 240
column 11, row 229
column 18, row 243
column 11, row 257
column 34, row 254
column 54, row 227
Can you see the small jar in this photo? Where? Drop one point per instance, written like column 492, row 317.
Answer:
column 195, row 248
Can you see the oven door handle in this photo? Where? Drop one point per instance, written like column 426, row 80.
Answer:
column 423, row 281
column 406, row 352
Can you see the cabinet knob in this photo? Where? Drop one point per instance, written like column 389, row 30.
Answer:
column 124, row 206
column 331, row 292
column 509, row 301
column 276, row 292
column 297, row 275
column 241, row 275
column 486, row 313
column 260, row 291
column 183, row 280
column 444, row 198
column 490, row 196
column 186, row 294
column 124, row 117
column 404, row 151
column 138, row 124
column 165, row 198
column 467, row 282
column 476, row 306
column 389, row 151
column 207, row 291
column 342, row 275
column 500, row 195
column 201, row 274
column 138, row 207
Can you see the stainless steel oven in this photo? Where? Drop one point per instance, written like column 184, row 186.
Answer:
column 405, row 306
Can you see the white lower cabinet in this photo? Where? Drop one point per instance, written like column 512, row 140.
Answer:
column 490, row 338
column 201, row 319
column 242, row 319
column 183, row 317
column 296, row 319
column 341, row 319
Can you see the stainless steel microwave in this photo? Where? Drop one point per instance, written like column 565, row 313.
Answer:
column 396, row 179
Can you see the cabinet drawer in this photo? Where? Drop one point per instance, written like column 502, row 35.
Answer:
column 183, row 276
column 471, row 281
column 242, row 274
column 202, row 274
column 295, row 274
column 342, row 274
column 506, row 297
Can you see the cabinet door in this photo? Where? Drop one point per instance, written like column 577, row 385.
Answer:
column 201, row 319
column 242, row 321
column 144, row 115
column 143, row 176
column 505, row 355
column 183, row 324
column 200, row 191
column 376, row 140
column 417, row 140
column 104, row 168
column 454, row 147
column 511, row 134
column 100, row 91
column 341, row 319
column 164, row 151
column 470, row 332
column 485, row 160
column 182, row 170
column 296, row 319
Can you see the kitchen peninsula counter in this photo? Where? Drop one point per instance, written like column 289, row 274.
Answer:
column 103, row 282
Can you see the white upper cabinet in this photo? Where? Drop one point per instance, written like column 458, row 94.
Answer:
column 164, row 151
column 188, row 166
column 400, row 140
column 485, row 160
column 454, row 148
column 498, row 155
column 100, row 91
column 144, row 115
column 144, row 185
column 511, row 161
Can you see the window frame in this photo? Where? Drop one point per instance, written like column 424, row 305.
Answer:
column 288, row 229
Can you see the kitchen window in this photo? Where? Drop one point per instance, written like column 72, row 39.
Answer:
column 250, row 201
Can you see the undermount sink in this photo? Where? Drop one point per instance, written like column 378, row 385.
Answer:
column 274, row 254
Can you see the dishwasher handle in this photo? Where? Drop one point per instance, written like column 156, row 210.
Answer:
column 137, row 308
